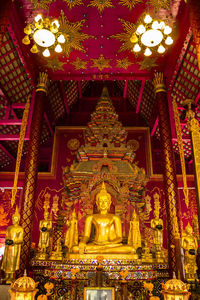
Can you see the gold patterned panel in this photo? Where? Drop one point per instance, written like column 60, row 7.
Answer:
column 73, row 144
column 73, row 3
column 55, row 64
column 73, row 35
column 124, row 37
column 101, row 4
column 130, row 3
column 148, row 63
column 79, row 64
column 44, row 4
column 123, row 63
column 101, row 63
column 158, row 4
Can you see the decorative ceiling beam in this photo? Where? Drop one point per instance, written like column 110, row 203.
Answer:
column 7, row 152
column 154, row 127
column 10, row 122
column 140, row 96
column 11, row 137
column 63, row 95
column 125, row 89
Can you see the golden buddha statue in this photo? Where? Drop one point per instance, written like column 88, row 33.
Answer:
column 13, row 241
column 71, row 238
column 134, row 236
column 45, row 227
column 157, row 226
column 190, row 245
column 108, row 230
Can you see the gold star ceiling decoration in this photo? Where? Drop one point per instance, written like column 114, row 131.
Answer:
column 130, row 3
column 123, row 63
column 158, row 4
column 55, row 64
column 73, row 35
column 101, row 62
column 41, row 4
column 124, row 37
column 79, row 64
column 148, row 63
column 73, row 3
column 100, row 4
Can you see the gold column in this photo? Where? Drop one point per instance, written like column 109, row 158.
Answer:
column 31, row 169
column 193, row 127
column 169, row 174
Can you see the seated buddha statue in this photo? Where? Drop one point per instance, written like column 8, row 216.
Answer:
column 108, row 230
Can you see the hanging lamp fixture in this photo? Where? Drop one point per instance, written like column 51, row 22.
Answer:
column 46, row 35
column 151, row 36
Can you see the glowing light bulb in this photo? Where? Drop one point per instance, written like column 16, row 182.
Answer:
column 56, row 23
column 141, row 29
column 167, row 30
column 136, row 48
column 169, row 40
column 147, row 52
column 161, row 49
column 34, row 49
column 147, row 19
column 26, row 40
column 61, row 39
column 46, row 53
column 155, row 25
column 28, row 30
column 134, row 38
column 162, row 25
column 58, row 48
column 38, row 17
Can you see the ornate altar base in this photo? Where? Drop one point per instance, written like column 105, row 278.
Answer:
column 84, row 267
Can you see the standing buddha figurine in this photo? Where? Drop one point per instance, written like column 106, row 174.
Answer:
column 190, row 245
column 157, row 226
column 71, row 238
column 134, row 236
column 13, row 242
column 44, row 240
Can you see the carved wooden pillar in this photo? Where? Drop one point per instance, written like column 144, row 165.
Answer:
column 169, row 173
column 5, row 10
column 194, row 8
column 31, row 169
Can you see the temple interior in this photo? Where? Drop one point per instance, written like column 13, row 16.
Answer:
column 99, row 149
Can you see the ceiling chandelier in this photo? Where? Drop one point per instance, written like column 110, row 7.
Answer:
column 151, row 36
column 45, row 34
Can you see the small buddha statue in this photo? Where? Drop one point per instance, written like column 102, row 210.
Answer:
column 58, row 253
column 157, row 226
column 45, row 227
column 13, row 242
column 134, row 236
column 108, row 230
column 190, row 245
column 146, row 254
column 71, row 238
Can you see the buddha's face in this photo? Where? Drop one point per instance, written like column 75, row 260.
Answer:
column 15, row 220
column 103, row 202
